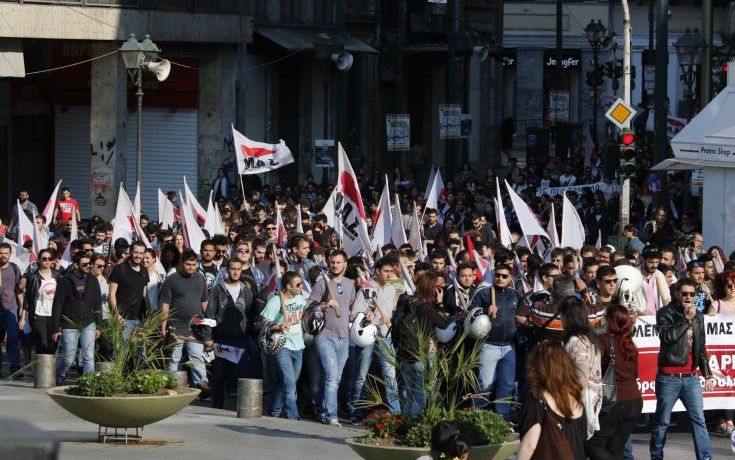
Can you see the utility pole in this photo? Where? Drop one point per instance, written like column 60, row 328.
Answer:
column 559, row 43
column 451, row 92
column 627, row 37
column 660, row 139
column 705, row 84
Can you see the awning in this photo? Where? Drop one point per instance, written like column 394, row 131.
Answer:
column 678, row 164
column 294, row 39
column 11, row 58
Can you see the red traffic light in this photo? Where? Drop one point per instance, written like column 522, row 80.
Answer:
column 724, row 68
column 627, row 138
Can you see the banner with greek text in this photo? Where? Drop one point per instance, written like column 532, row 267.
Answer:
column 578, row 189
column 720, row 331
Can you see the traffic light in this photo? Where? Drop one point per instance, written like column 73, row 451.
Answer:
column 627, row 153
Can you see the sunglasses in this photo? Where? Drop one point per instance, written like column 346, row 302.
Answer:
column 46, row 259
column 83, row 264
column 502, row 276
column 243, row 251
column 612, row 281
column 101, row 266
column 270, row 228
column 688, row 294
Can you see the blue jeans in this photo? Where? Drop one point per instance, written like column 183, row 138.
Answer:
column 314, row 370
column 363, row 358
column 195, row 352
column 414, row 375
column 71, row 339
column 289, row 364
column 333, row 352
column 9, row 322
column 130, row 324
column 689, row 391
column 497, row 363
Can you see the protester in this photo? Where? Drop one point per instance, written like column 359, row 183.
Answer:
column 553, row 422
column 617, row 423
column 12, row 317
column 76, row 310
column 683, row 350
column 39, row 299
column 128, row 289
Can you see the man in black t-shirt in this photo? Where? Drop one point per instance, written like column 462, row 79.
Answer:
column 128, row 289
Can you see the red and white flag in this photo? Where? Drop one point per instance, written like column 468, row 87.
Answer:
column 48, row 210
column 165, row 211
column 126, row 224
column 281, row 232
column 349, row 210
column 73, row 235
column 197, row 209
column 382, row 222
column 258, row 157
column 27, row 231
column 572, row 230
column 526, row 218
column 193, row 234
column 274, row 282
column 210, row 222
column 437, row 198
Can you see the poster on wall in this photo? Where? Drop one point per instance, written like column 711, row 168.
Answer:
column 465, row 125
column 398, row 132
column 324, row 153
column 450, row 124
column 559, row 105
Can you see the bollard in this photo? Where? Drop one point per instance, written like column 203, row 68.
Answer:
column 44, row 375
column 249, row 398
column 102, row 366
column 182, row 378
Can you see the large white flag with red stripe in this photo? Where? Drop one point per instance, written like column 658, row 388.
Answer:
column 27, row 231
column 437, row 198
column 258, row 157
column 348, row 208
column 197, row 209
column 572, row 230
column 526, row 218
column 165, row 211
column 126, row 224
column 48, row 210
column 503, row 230
column 382, row 222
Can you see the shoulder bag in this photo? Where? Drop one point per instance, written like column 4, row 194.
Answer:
column 609, row 383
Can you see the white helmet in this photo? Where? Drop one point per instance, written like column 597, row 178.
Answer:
column 630, row 291
column 448, row 333
column 271, row 342
column 363, row 332
column 477, row 323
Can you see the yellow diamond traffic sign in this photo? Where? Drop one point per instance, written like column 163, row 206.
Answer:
column 619, row 113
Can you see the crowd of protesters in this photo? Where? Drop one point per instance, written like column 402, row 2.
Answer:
column 556, row 323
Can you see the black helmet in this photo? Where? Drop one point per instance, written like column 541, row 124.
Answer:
column 651, row 252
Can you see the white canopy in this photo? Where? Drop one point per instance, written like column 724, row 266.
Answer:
column 709, row 139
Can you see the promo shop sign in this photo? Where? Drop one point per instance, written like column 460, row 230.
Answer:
column 720, row 330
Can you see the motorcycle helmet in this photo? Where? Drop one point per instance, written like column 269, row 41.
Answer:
column 631, row 291
column 477, row 323
column 312, row 321
column 271, row 342
column 363, row 332
column 448, row 333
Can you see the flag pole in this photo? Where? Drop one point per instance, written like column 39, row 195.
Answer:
column 242, row 186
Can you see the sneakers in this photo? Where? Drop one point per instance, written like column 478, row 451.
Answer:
column 206, row 391
column 334, row 422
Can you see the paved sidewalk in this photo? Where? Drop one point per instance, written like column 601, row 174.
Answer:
column 199, row 432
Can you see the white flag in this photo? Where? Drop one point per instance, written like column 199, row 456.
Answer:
column 299, row 223
column 382, row 222
column 66, row 256
column 48, row 210
column 27, row 231
column 429, row 183
column 165, row 211
column 258, row 157
column 281, row 232
column 127, row 224
column 398, row 234
column 210, row 224
column 551, row 228
column 526, row 218
column 598, row 243
column 503, row 230
column 437, row 198
column 414, row 237
column 136, row 202
column 329, row 207
column 572, row 230
column 219, row 227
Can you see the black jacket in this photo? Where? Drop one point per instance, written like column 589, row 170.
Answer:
column 233, row 318
column 451, row 306
column 414, row 318
column 71, row 312
column 672, row 327
column 504, row 327
column 33, row 284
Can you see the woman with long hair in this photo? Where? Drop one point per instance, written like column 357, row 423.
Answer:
column 38, row 300
column 553, row 422
column 179, row 242
column 582, row 344
column 423, row 311
column 155, row 279
column 170, row 257
column 618, row 423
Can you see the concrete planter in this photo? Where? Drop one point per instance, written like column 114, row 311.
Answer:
column 130, row 411
column 487, row 452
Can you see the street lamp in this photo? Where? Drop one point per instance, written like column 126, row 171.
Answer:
column 689, row 48
column 595, row 32
column 139, row 56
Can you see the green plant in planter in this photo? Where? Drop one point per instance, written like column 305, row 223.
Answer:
column 482, row 427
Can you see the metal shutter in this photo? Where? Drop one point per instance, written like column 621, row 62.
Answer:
column 72, row 162
column 169, row 153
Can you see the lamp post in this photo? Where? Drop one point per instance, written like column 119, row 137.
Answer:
column 595, row 32
column 689, row 48
column 138, row 56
